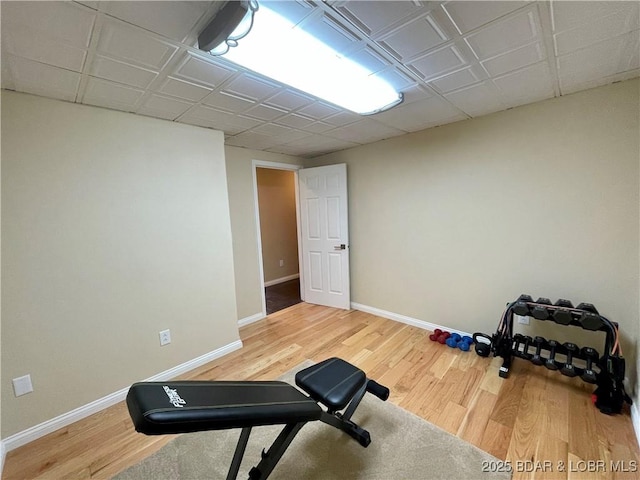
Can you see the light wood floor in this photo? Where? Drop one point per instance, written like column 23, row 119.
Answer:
column 536, row 417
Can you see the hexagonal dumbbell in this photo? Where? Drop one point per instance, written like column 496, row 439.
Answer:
column 550, row 362
column 590, row 355
column 541, row 312
column 568, row 369
column 537, row 358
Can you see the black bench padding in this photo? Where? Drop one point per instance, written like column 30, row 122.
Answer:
column 200, row 405
column 332, row 382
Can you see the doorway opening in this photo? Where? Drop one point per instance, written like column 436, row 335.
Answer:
column 277, row 221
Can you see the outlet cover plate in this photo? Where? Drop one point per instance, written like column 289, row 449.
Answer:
column 22, row 385
column 165, row 337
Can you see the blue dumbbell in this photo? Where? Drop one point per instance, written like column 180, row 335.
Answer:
column 465, row 343
column 453, row 340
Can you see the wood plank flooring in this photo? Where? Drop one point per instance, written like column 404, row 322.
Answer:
column 540, row 422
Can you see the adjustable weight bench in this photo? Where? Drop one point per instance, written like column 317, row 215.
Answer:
column 159, row 408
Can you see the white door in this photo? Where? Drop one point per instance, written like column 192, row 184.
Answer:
column 324, row 235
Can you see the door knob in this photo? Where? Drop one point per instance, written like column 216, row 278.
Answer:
column 342, row 246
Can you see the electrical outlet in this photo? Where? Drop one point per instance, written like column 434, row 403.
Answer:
column 282, row 263
column 22, row 385
column 165, row 337
column 523, row 320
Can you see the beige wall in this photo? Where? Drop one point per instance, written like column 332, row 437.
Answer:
column 114, row 227
column 278, row 223
column 243, row 224
column 449, row 224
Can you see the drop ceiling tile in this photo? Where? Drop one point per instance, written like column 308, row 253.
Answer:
column 595, row 61
column 184, row 90
column 294, row 120
column 342, row 118
column 318, row 110
column 515, row 59
column 265, row 112
column 164, row 107
column 416, row 92
column 396, row 78
column 322, row 142
column 249, row 86
column 172, row 19
column 371, row 17
column 365, row 131
column 89, row 3
column 289, row 100
column 601, row 28
column 456, row 80
column 294, row 11
column 476, row 100
column 252, row 139
column 121, row 72
column 469, row 15
column 326, row 29
column 526, row 85
column 26, row 42
column 568, row 15
column 317, row 127
column 290, row 136
column 216, row 119
column 272, row 129
column 508, row 34
column 44, row 80
column 206, row 72
column 63, row 22
column 228, row 102
column 124, row 42
column 299, row 151
column 631, row 53
column 420, row 114
column 415, row 38
column 107, row 94
column 369, row 59
column 439, row 62
column 577, row 85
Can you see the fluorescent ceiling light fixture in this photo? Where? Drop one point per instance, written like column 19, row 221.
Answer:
column 231, row 23
column 277, row 48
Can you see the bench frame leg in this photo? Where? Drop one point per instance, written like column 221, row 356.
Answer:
column 271, row 457
column 343, row 421
column 239, row 453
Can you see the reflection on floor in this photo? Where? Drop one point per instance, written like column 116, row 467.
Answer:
column 282, row 295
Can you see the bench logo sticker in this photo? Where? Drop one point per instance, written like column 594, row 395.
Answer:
column 175, row 399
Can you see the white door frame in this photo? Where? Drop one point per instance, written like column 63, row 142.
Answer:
column 255, row 164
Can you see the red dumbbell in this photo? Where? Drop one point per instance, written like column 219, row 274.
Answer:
column 434, row 336
column 443, row 337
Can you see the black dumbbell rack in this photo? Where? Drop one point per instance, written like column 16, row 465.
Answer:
column 607, row 371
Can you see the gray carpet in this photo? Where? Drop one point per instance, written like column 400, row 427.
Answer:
column 403, row 446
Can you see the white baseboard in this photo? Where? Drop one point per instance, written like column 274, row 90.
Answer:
column 250, row 319
column 281, row 280
column 635, row 418
column 403, row 318
column 3, row 454
column 21, row 438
